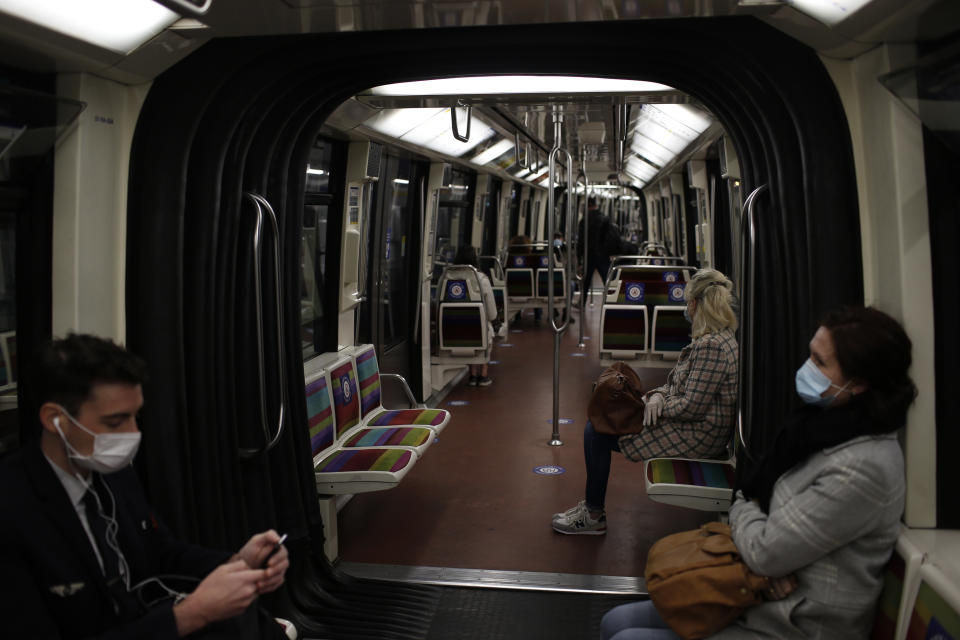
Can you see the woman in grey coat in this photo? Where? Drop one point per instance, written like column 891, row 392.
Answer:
column 820, row 513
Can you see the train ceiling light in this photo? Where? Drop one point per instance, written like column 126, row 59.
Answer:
column 118, row 25
column 429, row 128
column 829, row 12
column 512, row 85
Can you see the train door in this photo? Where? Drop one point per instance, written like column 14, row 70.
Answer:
column 513, row 214
column 454, row 223
column 388, row 316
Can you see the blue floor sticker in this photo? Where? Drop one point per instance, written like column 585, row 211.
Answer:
column 579, row 354
column 562, row 420
column 493, row 362
column 549, row 470
column 506, row 344
column 516, row 330
column 458, row 403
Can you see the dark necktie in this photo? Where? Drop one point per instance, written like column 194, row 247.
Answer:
column 124, row 603
column 98, row 526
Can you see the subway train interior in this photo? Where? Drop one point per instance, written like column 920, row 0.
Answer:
column 264, row 199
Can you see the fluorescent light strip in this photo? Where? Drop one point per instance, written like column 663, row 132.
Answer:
column 499, row 85
column 829, row 12
column 492, row 153
column 118, row 25
column 429, row 128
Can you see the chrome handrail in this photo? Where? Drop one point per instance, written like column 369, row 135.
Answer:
column 419, row 282
column 366, row 211
column 552, row 266
column 262, row 205
column 582, row 277
column 406, row 389
column 748, row 255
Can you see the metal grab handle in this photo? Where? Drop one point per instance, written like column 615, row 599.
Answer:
column 552, row 229
column 262, row 205
column 453, row 121
column 522, row 163
column 419, row 281
column 406, row 389
column 362, row 259
column 748, row 256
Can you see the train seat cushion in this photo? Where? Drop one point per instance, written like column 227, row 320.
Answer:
column 558, row 280
column 716, row 475
column 888, row 608
column 389, row 437
column 671, row 331
column 936, row 610
column 319, row 415
column 424, row 417
column 520, row 283
column 375, row 459
column 462, row 327
column 624, row 329
column 368, row 375
column 346, row 400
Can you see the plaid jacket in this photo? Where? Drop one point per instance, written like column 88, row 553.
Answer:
column 700, row 400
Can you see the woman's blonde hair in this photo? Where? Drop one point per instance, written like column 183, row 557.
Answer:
column 712, row 291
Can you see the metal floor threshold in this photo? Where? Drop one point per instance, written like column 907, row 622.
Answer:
column 493, row 579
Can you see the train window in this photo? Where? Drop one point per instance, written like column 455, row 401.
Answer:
column 453, row 218
column 320, row 195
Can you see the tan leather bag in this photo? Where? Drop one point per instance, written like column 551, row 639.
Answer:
column 616, row 406
column 698, row 582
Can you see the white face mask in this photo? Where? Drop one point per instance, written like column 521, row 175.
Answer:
column 111, row 451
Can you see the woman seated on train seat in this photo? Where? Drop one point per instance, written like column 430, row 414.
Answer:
column 523, row 242
column 820, row 512
column 691, row 416
column 468, row 255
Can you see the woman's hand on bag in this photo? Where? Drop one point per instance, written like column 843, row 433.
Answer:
column 780, row 588
column 652, row 410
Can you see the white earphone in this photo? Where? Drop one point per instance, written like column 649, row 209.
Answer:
column 56, row 421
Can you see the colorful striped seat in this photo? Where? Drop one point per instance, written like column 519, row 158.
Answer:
column 901, row 579
column 349, row 457
column 372, row 411
column 623, row 330
column 520, row 283
column 935, row 612
column 697, row 484
column 360, row 470
column 559, row 280
column 462, row 327
column 670, row 332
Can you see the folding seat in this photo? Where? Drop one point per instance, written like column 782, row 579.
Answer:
column 372, row 411
column 706, row 485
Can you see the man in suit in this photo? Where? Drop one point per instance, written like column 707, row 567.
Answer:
column 82, row 554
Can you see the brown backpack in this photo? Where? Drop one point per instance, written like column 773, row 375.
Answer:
column 698, row 583
column 616, row 406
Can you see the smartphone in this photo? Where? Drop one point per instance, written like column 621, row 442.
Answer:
column 276, row 548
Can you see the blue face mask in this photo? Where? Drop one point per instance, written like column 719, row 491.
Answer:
column 686, row 315
column 811, row 382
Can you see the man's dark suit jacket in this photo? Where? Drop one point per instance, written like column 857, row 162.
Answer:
column 51, row 585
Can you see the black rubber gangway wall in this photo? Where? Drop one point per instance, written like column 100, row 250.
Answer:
column 241, row 114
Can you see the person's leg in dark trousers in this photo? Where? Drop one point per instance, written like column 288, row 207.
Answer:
column 597, row 448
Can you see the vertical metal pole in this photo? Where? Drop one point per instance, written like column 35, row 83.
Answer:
column 584, row 284
column 555, row 440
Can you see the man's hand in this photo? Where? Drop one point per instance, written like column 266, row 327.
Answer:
column 780, row 588
column 652, row 409
column 255, row 552
column 225, row 593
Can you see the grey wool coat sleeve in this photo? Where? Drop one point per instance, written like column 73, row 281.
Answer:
column 833, row 522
